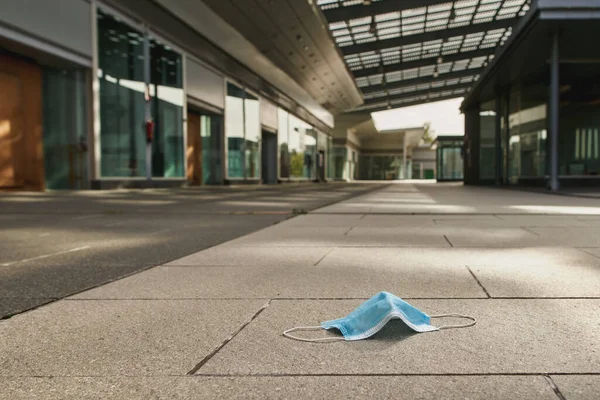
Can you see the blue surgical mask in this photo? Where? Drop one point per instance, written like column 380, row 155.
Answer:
column 372, row 315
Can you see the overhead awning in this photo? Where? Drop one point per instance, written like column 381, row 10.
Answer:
column 408, row 52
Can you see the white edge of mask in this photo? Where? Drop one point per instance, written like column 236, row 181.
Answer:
column 388, row 318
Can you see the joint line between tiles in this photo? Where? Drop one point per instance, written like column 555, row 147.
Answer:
column 229, row 339
column 478, row 282
column 554, row 387
column 322, row 258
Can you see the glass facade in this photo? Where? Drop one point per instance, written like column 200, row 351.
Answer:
column 449, row 160
column 167, row 102
column 380, row 167
column 242, row 129
column 210, row 132
column 121, row 76
column 487, row 146
column 330, row 159
column 65, row 129
column 579, row 135
column 284, row 150
column 340, row 156
column 121, row 65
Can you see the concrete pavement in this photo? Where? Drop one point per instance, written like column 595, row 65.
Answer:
column 53, row 245
column 208, row 325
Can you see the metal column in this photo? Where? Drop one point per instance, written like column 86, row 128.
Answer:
column 554, row 113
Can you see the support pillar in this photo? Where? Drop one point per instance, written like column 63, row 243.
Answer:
column 554, row 113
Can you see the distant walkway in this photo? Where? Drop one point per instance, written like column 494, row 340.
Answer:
column 209, row 325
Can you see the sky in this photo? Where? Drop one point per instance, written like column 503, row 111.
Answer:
column 445, row 117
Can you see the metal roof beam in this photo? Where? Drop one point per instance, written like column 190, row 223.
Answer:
column 456, row 57
column 420, row 80
column 427, row 36
column 340, row 14
column 412, row 103
column 420, row 92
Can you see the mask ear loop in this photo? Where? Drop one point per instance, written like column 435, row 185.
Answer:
column 310, row 328
column 473, row 320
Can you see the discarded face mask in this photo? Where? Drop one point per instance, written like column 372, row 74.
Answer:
column 371, row 316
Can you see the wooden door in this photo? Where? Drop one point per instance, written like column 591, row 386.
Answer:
column 11, row 124
column 21, row 146
column 194, row 150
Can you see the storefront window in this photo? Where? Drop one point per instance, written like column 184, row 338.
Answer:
column 528, row 135
column 253, row 136
column 330, row 159
column 166, row 90
column 300, row 160
column 487, row 149
column 122, row 103
column 65, row 129
column 579, row 134
column 282, row 136
column 234, row 129
column 242, row 128
column 121, row 65
column 310, row 155
column 340, row 156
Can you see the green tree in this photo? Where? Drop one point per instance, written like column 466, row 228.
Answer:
column 429, row 134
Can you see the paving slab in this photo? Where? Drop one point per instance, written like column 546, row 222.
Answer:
column 394, row 221
column 95, row 338
column 554, row 280
column 233, row 255
column 324, row 221
column 432, row 257
column 284, row 236
column 578, row 387
column 543, row 220
column 511, row 336
column 290, row 282
column 571, row 236
column 396, row 237
column 592, row 250
column 286, row 387
column 495, row 237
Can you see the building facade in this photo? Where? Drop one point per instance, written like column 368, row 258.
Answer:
column 533, row 116
column 105, row 94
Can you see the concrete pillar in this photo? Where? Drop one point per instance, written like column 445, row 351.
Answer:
column 554, row 112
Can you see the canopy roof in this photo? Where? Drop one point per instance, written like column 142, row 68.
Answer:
column 407, row 52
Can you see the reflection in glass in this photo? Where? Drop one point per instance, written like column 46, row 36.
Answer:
column 330, row 159
column 297, row 147
column 340, row 155
column 234, row 129
column 282, row 137
column 166, row 90
column 121, row 77
column 487, row 152
column 65, row 128
column 242, row 128
column 252, row 136
column 210, row 132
